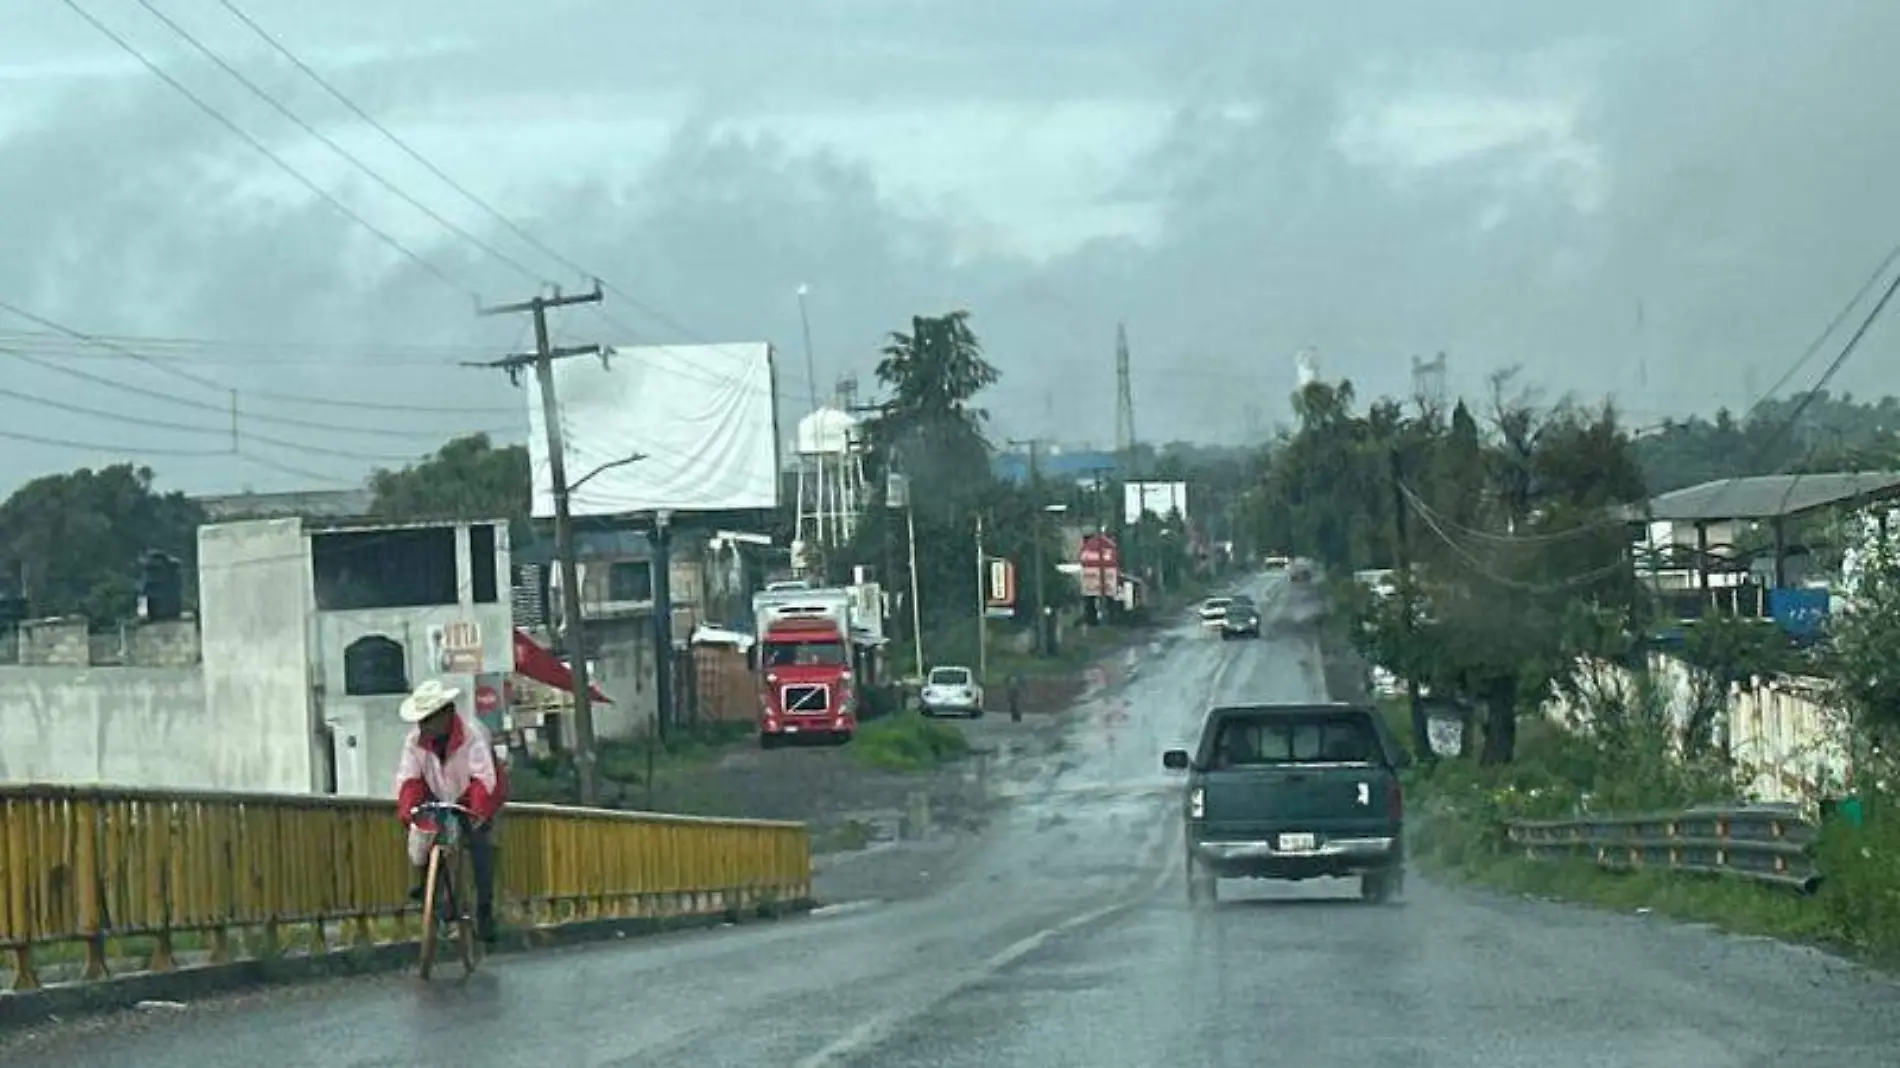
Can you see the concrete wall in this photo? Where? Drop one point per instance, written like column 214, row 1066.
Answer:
column 368, row 735
column 118, row 725
column 623, row 669
column 1787, row 745
column 255, row 604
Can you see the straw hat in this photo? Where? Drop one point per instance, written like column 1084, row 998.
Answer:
column 428, row 699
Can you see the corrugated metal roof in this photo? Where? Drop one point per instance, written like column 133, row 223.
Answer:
column 1772, row 496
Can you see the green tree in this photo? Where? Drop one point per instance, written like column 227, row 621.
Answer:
column 928, row 427
column 468, row 478
column 1519, row 557
column 75, row 539
column 1861, row 650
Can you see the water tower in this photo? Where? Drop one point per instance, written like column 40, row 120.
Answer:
column 1307, row 364
column 830, row 450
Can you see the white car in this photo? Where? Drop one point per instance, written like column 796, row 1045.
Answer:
column 952, row 691
column 1214, row 612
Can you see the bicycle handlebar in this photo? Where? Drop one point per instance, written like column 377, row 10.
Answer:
column 443, row 806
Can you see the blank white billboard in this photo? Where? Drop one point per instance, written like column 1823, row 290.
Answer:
column 1157, row 497
column 702, row 416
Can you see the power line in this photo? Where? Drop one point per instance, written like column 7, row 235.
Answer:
column 1538, row 538
column 1788, row 423
column 93, row 446
column 1483, row 569
column 298, row 176
column 521, row 232
column 234, row 431
column 282, row 109
column 233, row 352
column 225, row 410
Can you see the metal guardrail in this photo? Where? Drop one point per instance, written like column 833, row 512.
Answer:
column 211, row 875
column 1767, row 844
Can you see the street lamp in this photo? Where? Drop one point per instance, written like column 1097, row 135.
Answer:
column 574, row 626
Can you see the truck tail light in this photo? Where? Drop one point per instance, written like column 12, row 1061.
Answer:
column 1197, row 803
column 1395, row 800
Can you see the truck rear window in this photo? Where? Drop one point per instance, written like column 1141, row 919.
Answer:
column 1266, row 741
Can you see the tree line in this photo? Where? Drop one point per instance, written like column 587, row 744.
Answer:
column 1513, row 555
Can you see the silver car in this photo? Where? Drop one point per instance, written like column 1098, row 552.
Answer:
column 952, row 691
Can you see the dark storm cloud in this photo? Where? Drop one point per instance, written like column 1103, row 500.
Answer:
column 1723, row 174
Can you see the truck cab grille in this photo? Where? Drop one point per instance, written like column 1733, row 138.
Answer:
column 806, row 700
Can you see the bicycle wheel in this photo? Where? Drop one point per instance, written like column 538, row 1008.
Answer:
column 432, row 904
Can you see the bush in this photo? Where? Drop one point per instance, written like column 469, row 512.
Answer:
column 1456, row 813
column 907, row 742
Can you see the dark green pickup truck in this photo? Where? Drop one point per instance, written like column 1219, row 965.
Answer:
column 1293, row 792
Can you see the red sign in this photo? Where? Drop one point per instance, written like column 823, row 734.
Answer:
column 487, row 700
column 1101, row 562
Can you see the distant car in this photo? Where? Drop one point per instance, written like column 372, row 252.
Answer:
column 952, row 691
column 1299, row 571
column 1213, row 610
column 1293, row 792
column 1241, row 620
column 1277, row 563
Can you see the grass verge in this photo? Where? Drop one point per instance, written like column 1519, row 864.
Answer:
column 623, row 766
column 907, row 742
column 1456, row 812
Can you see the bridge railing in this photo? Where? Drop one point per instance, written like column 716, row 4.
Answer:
column 1766, row 844
column 86, row 873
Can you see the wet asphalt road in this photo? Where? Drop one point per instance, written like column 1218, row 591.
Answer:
column 1068, row 941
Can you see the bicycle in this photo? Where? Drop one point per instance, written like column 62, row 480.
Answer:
column 444, row 901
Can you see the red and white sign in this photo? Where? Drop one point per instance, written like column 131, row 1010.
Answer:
column 1002, row 584
column 1101, row 562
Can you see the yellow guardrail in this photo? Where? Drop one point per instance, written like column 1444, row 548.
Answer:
column 90, row 874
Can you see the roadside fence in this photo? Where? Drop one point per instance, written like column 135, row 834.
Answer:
column 1769, row 844
column 97, row 880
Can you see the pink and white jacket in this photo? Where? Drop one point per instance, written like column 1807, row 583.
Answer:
column 459, row 767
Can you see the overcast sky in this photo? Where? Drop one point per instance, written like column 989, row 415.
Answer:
column 1662, row 200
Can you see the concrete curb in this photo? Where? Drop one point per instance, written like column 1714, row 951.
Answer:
column 199, row 983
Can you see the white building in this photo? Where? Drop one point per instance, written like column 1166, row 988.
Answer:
column 308, row 635
column 350, row 615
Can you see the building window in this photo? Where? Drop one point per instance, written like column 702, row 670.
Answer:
column 374, row 665
column 630, row 580
column 481, row 564
column 406, row 568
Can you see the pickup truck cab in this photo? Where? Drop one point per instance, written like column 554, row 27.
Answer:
column 1241, row 620
column 1293, row 792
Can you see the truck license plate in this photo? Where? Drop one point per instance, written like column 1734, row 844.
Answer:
column 1296, row 843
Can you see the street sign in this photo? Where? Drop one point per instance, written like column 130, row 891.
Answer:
column 456, row 647
column 490, row 702
column 1101, row 566
column 1002, row 584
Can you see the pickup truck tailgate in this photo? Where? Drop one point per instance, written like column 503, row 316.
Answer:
column 1330, row 800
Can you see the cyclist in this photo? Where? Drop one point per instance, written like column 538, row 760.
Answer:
column 450, row 757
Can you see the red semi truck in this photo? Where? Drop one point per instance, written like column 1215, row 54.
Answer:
column 805, row 663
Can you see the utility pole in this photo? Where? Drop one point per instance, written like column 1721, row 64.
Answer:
column 542, row 360
column 982, row 608
column 662, row 627
column 1035, row 490
column 1402, row 555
